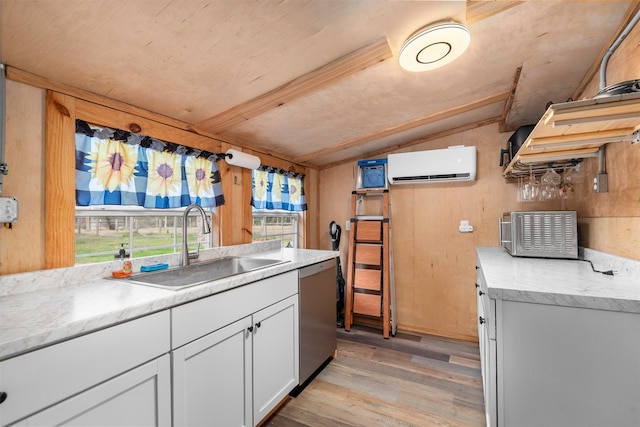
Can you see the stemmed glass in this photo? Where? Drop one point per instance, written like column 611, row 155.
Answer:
column 519, row 190
column 550, row 185
column 572, row 177
column 531, row 190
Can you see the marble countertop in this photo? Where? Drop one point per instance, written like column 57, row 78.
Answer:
column 42, row 308
column 571, row 283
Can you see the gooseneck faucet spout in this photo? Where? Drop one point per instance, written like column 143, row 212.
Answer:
column 206, row 229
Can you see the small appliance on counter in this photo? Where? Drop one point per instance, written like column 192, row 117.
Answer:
column 541, row 234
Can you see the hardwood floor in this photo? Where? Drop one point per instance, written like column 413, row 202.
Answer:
column 407, row 380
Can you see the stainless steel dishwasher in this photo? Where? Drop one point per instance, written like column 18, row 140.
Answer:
column 318, row 338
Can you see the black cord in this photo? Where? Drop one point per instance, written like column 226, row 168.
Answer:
column 607, row 273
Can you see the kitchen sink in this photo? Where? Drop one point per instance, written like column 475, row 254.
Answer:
column 202, row 272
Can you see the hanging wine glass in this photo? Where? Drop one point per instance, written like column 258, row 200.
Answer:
column 519, row 190
column 567, row 186
column 531, row 189
column 550, row 185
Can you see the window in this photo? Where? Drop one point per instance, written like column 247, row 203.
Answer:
column 276, row 225
column 99, row 231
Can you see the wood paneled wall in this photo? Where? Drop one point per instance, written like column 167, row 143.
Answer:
column 435, row 263
column 22, row 246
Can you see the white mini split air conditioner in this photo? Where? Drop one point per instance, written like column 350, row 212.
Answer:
column 449, row 164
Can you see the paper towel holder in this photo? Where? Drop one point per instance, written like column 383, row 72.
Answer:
column 240, row 159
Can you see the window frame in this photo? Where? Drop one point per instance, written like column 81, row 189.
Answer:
column 131, row 212
column 265, row 213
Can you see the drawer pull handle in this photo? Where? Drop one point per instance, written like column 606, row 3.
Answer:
column 258, row 324
column 250, row 329
column 477, row 286
column 482, row 321
column 480, row 293
column 3, row 396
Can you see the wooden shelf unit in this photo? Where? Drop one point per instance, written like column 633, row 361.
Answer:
column 572, row 131
column 368, row 290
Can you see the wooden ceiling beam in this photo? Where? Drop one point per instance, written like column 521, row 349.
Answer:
column 478, row 10
column 502, row 126
column 411, row 124
column 320, row 78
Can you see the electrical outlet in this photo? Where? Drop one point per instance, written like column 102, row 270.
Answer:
column 464, row 226
column 601, row 183
column 8, row 209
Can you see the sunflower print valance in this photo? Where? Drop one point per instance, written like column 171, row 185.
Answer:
column 115, row 167
column 274, row 189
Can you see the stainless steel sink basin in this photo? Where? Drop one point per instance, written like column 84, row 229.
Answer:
column 202, row 272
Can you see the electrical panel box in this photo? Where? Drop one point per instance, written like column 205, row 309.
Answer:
column 8, row 209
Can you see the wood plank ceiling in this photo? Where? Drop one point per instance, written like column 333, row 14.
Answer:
column 313, row 81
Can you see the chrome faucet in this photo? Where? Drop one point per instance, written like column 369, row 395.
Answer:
column 206, row 229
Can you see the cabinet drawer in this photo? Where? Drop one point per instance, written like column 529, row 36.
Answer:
column 368, row 254
column 369, row 231
column 368, row 279
column 140, row 397
column 367, row 304
column 196, row 319
column 43, row 377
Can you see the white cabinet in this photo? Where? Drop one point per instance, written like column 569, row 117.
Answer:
column 487, row 341
column 140, row 397
column 212, row 378
column 275, row 355
column 552, row 365
column 567, row 366
column 238, row 353
column 83, row 379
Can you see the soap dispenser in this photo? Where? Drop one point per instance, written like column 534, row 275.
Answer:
column 121, row 264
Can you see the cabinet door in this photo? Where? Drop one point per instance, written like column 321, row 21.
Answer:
column 487, row 361
column 487, row 343
column 275, row 355
column 567, row 366
column 140, row 397
column 212, row 378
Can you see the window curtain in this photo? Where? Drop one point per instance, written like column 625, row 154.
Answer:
column 115, row 167
column 277, row 189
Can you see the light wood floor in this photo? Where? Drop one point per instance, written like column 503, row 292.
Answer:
column 407, row 380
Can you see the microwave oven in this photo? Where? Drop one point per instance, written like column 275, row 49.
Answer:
column 542, row 234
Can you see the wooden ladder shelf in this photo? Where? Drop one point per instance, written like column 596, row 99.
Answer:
column 369, row 291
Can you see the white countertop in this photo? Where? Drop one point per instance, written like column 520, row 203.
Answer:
column 570, row 283
column 51, row 311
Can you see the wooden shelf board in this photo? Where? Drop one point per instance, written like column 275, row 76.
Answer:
column 575, row 130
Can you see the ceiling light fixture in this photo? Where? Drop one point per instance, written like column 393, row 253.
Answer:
column 434, row 46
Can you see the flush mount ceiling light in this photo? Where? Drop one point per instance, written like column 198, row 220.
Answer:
column 434, row 46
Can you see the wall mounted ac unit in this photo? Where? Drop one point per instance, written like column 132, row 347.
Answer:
column 449, row 164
